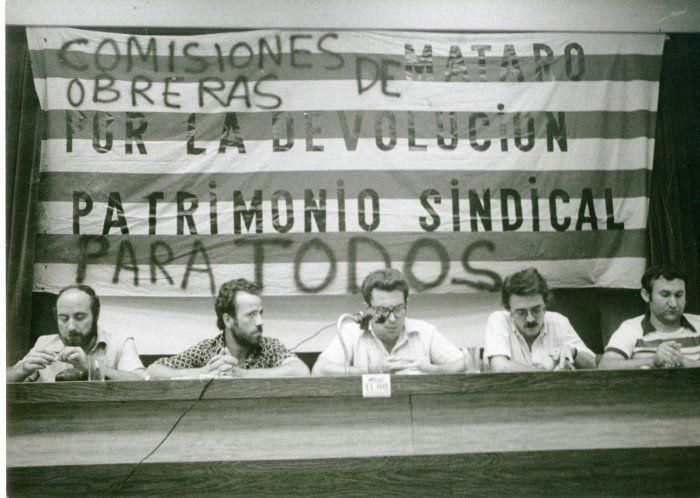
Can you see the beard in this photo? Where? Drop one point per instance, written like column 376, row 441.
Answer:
column 245, row 340
column 77, row 339
column 669, row 317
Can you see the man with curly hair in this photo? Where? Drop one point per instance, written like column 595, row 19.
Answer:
column 240, row 350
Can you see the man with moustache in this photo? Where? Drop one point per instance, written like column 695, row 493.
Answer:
column 389, row 342
column 80, row 345
column 663, row 337
column 240, row 350
column 525, row 336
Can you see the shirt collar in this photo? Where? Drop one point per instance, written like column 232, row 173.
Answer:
column 648, row 327
column 101, row 339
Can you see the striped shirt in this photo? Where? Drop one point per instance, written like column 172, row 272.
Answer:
column 637, row 337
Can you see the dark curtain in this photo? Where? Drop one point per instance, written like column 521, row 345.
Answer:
column 23, row 131
column 674, row 204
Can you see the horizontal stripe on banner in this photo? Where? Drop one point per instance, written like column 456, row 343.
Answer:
column 172, row 157
column 278, row 279
column 342, row 95
column 232, row 249
column 426, row 126
column 345, row 67
column 388, row 184
column 392, row 216
column 373, row 42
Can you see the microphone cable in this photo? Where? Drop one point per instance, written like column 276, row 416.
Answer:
column 314, row 334
column 338, row 324
column 119, row 484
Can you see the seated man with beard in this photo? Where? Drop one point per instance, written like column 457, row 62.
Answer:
column 240, row 350
column 79, row 344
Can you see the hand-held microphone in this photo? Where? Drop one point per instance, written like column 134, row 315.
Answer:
column 364, row 321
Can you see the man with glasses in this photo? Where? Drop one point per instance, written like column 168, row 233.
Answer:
column 526, row 337
column 385, row 340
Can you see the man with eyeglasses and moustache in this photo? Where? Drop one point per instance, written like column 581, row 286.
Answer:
column 526, row 337
column 386, row 340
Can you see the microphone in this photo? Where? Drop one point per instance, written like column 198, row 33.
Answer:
column 362, row 319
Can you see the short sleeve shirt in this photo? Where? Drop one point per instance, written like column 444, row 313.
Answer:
column 503, row 339
column 120, row 354
column 270, row 353
column 418, row 341
column 637, row 337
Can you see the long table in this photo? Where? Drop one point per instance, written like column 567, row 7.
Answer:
column 585, row 432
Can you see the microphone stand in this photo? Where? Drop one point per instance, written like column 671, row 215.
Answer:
column 357, row 318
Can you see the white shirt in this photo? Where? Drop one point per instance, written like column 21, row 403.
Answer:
column 120, row 354
column 503, row 339
column 418, row 341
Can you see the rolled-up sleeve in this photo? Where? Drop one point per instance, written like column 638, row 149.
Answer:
column 129, row 359
column 569, row 337
column 442, row 350
column 496, row 339
column 622, row 341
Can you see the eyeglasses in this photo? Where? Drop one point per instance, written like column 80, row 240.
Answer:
column 397, row 310
column 522, row 313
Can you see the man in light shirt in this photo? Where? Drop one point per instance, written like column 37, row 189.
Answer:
column 664, row 337
column 79, row 345
column 386, row 340
column 525, row 336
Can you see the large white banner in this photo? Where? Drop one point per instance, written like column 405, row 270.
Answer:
column 304, row 160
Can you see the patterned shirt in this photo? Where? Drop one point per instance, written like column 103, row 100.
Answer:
column 270, row 353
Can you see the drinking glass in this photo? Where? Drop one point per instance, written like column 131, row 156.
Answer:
column 97, row 370
column 472, row 362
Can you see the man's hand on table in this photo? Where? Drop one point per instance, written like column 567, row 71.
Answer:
column 219, row 364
